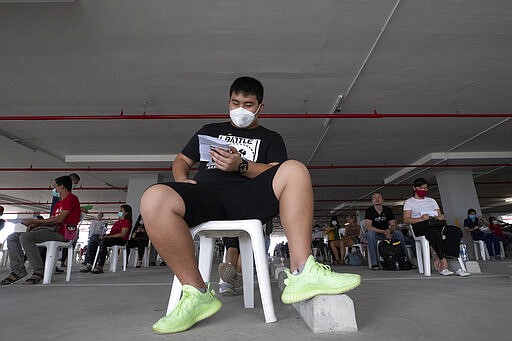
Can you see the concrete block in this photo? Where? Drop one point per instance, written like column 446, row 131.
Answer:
column 278, row 270
column 329, row 314
column 326, row 313
column 473, row 267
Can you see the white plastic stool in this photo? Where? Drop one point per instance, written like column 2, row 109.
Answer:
column 113, row 260
column 52, row 248
column 252, row 242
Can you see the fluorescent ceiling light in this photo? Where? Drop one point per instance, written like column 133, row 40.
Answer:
column 508, row 200
column 121, row 158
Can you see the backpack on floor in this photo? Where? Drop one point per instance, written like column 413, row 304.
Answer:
column 354, row 258
column 392, row 257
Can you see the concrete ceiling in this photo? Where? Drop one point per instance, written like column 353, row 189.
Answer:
column 101, row 57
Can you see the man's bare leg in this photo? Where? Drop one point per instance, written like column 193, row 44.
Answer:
column 162, row 210
column 292, row 187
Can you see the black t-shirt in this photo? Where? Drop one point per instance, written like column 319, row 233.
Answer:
column 380, row 221
column 258, row 145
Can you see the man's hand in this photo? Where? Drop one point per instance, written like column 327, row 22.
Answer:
column 29, row 223
column 226, row 161
column 388, row 233
column 425, row 217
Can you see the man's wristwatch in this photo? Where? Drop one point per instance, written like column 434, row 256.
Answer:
column 243, row 166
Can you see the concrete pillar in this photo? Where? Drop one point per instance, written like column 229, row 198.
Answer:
column 458, row 194
column 137, row 186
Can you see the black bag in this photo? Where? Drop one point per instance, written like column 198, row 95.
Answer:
column 392, row 257
column 436, row 223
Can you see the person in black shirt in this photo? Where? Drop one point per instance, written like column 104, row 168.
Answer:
column 251, row 180
column 473, row 223
column 380, row 223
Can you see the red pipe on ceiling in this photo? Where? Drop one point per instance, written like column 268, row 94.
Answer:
column 318, row 167
column 74, row 189
column 122, row 116
column 49, row 203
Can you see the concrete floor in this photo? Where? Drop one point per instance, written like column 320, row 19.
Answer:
column 389, row 306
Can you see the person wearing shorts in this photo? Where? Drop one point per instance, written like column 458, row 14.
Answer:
column 251, row 180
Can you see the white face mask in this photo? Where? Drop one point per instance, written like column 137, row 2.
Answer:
column 241, row 117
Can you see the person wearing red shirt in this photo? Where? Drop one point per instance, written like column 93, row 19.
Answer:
column 65, row 216
column 119, row 235
column 498, row 231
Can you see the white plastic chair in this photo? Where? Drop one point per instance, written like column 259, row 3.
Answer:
column 422, row 253
column 480, row 248
column 52, row 248
column 5, row 254
column 113, row 258
column 252, row 242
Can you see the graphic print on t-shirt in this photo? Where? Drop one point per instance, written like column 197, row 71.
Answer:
column 247, row 147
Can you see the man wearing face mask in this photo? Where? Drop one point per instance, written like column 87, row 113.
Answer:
column 472, row 223
column 253, row 180
column 66, row 214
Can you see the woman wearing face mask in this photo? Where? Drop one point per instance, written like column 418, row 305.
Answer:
column 473, row 224
column 119, row 234
column 335, row 243
column 418, row 210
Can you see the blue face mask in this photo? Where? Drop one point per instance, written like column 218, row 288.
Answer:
column 472, row 216
column 120, row 214
column 55, row 193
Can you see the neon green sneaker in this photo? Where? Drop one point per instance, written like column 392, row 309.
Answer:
column 316, row 279
column 193, row 307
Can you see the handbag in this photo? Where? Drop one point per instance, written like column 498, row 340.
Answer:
column 436, row 223
column 70, row 232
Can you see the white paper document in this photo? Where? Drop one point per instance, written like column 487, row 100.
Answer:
column 206, row 143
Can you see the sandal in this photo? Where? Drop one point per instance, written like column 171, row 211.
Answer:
column 86, row 269
column 97, row 271
column 35, row 279
column 13, row 277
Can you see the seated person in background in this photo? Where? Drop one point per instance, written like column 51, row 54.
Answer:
column 418, row 210
column 138, row 239
column 97, row 229
column 497, row 230
column 119, row 234
column 66, row 214
column 317, row 242
column 230, row 272
column 474, row 224
column 350, row 236
column 2, row 222
column 380, row 224
column 334, row 240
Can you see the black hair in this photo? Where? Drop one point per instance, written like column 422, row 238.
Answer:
column 335, row 218
column 247, row 86
column 128, row 210
column 64, row 181
column 420, row 182
column 471, row 210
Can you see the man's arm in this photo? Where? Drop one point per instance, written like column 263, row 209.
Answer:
column 229, row 162
column 181, row 168
column 370, row 227
column 56, row 220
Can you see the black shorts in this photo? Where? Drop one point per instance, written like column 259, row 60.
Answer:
column 230, row 242
column 253, row 199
